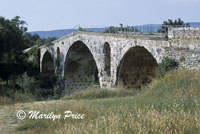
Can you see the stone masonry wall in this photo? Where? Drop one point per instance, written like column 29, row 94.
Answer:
column 185, row 46
column 188, row 37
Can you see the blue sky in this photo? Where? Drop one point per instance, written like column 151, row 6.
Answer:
column 64, row 14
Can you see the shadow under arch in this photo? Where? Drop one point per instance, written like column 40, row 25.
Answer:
column 136, row 69
column 47, row 64
column 80, row 68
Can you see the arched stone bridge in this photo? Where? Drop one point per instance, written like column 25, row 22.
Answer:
column 82, row 59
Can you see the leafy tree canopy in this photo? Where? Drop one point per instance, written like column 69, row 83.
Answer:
column 176, row 23
column 11, row 46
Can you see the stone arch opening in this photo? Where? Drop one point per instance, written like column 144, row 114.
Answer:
column 47, row 64
column 58, row 57
column 80, row 68
column 136, row 69
column 107, row 58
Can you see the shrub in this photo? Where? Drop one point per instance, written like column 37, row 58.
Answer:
column 26, row 83
column 57, row 92
column 165, row 66
column 46, row 87
column 47, row 81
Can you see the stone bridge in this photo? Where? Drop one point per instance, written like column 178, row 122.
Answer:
column 84, row 59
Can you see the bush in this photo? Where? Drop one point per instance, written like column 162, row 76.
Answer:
column 165, row 66
column 57, row 92
column 26, row 83
column 47, row 81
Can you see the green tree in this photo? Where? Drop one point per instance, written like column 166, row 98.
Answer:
column 11, row 46
column 30, row 40
column 171, row 23
column 82, row 29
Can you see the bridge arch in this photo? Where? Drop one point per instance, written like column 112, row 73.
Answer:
column 137, row 67
column 80, row 69
column 48, row 64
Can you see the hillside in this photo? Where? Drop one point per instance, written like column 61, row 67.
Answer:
column 62, row 32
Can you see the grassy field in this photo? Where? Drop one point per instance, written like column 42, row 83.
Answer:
column 170, row 105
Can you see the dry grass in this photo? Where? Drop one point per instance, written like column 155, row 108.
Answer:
column 168, row 106
column 118, row 119
column 97, row 93
column 5, row 100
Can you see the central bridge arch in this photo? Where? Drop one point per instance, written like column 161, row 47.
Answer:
column 80, row 70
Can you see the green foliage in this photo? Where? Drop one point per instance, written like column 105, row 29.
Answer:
column 47, row 84
column 165, row 66
column 57, row 92
column 47, row 41
column 15, row 61
column 34, row 55
column 26, row 83
column 12, row 45
column 35, row 40
column 47, row 81
column 82, row 29
column 19, row 68
column 175, row 23
column 31, row 40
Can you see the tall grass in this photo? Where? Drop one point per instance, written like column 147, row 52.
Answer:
column 5, row 100
column 167, row 106
column 184, row 83
column 16, row 97
column 97, row 93
column 118, row 119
